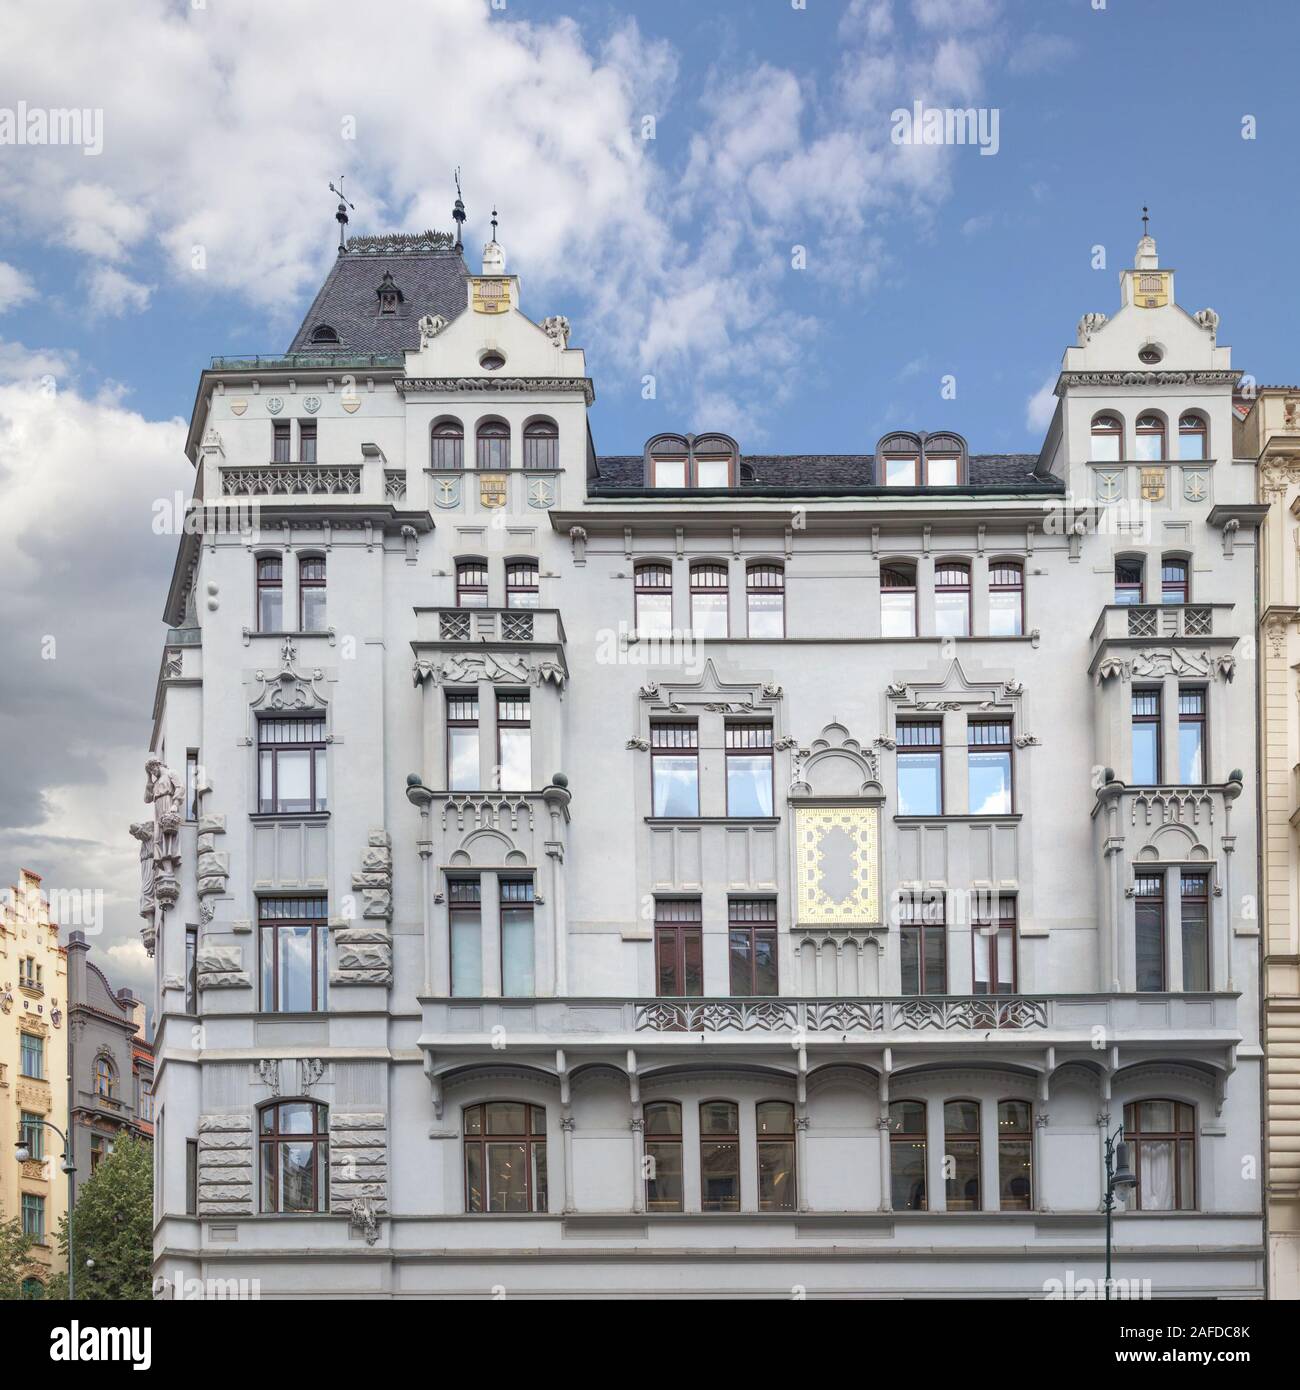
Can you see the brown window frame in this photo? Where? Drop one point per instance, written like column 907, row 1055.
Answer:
column 764, row 589
column 523, row 584
column 1124, row 588
column 959, row 475
column 1155, row 898
column 712, row 569
column 640, row 585
column 1004, row 586
column 752, row 922
column 542, row 445
column 914, row 1138
column 1189, row 718
column 977, row 742
column 754, row 739
column 311, row 578
column 307, row 441
column 961, row 567
column 887, row 459
column 268, row 577
column 1199, row 897
column 455, row 719
column 274, row 1138
column 1179, row 587
column 1008, row 921
column 719, row 1140
column 1160, row 430
column 1197, row 429
column 1106, row 426
column 1153, row 715
column 447, row 441
column 967, row 1139
column 281, row 441
column 683, row 740
column 923, row 919
column 1138, row 1139
column 783, row 1140
column 269, row 925
column 105, row 1078
column 657, row 1142
column 268, row 798
column 492, row 439
column 191, row 1177
column 1015, row 1139
column 678, row 927
column 468, row 586
column 900, row 570
column 532, row 1138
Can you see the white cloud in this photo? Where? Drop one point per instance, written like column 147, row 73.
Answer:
column 1041, row 406
column 1038, row 53
column 15, row 287
column 113, row 294
column 973, row 226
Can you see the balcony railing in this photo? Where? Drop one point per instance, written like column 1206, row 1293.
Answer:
column 1171, row 620
column 291, row 480
column 477, row 625
column 840, row 1015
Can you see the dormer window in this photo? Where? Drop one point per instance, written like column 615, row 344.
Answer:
column 902, row 470
column 691, row 461
column 921, row 460
column 323, row 333
column 389, row 295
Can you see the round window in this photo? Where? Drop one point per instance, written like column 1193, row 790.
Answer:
column 492, row 361
column 1150, row 354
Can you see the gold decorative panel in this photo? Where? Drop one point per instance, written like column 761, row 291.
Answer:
column 491, row 296
column 1152, row 289
column 1153, row 484
column 837, row 865
column 492, row 490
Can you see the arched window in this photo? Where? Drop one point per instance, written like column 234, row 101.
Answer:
column 293, row 1153
column 105, row 1078
column 1107, row 439
column 774, row 1124
column 1128, row 580
column 471, row 584
column 493, row 445
column 521, row 584
column 1006, row 598
column 447, row 445
column 311, row 593
column 664, row 1189
column 505, row 1157
column 541, row 445
column 719, row 1156
column 713, row 461
column 898, row 600
column 907, row 1155
column 709, row 600
column 1173, row 580
column 654, row 600
column 1162, row 1136
column 323, row 333
column 1150, row 437
column 1015, row 1155
column 765, row 600
column 961, row 1148
column 270, row 594
column 670, row 462
column 1193, row 436
column 952, row 598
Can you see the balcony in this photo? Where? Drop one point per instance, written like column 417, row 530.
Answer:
column 1144, row 622
column 510, row 627
column 291, row 480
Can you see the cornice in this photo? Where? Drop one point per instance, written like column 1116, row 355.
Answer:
column 1216, row 377
column 496, row 385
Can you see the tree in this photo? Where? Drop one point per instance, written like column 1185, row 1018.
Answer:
column 113, row 1227
column 16, row 1264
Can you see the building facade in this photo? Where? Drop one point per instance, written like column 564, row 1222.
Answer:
column 33, row 1071
column 699, row 872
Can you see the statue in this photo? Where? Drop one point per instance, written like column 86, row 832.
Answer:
column 143, row 831
column 163, row 789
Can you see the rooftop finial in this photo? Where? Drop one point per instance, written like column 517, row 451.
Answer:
column 494, row 223
column 341, row 216
column 458, row 212
column 1146, row 231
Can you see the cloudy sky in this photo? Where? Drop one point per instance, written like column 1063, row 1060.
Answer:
column 709, row 191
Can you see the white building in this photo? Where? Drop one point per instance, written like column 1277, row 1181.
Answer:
column 693, row 872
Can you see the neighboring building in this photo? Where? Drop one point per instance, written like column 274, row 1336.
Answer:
column 112, row 1062
column 1270, row 434
column 697, row 872
column 33, row 1069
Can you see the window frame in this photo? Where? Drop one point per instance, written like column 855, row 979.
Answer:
column 662, row 747
column 952, row 567
column 104, row 1078
column 513, row 700
column 1007, row 910
column 654, row 1142
column 1144, row 430
column 678, row 931
column 917, row 749
column 32, row 1211
column 447, row 437
column 308, row 437
column 1150, row 890
column 913, row 1138
column 533, row 1137
column 764, row 590
column 457, row 698
column 1179, row 587
column 275, row 1139
column 31, row 1045
column 1017, row 1138
column 754, row 919
column 738, row 736
column 719, row 1141
column 268, row 582
column 896, row 458
column 270, row 924
column 1194, row 719
column 984, row 748
column 1000, row 586
column 1155, row 717
column 715, row 569
column 464, row 907
column 1106, row 425
column 514, row 894
column 317, row 764
column 309, row 581
column 191, row 970
column 495, row 434
column 1198, row 899
column 785, row 1140
column 523, row 595
column 1198, row 429
column 968, row 1140
column 1137, row 1140
column 903, row 570
column 536, row 431
column 1127, row 587
column 470, row 585
column 922, row 913
column 640, row 588
column 281, row 441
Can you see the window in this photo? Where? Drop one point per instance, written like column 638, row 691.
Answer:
column 675, row 769
column 31, row 1057
column 291, row 776
column 679, row 948
column 462, row 741
column 765, row 600
column 902, row 470
column 1107, row 439
column 952, row 599
column 464, row 898
column 1146, row 738
column 1173, row 580
column 907, row 1155
column 942, row 470
column 389, row 295
column 712, row 470
column 293, row 1148
column 923, row 943
column 749, row 770
column 521, row 584
column 1149, row 931
column 471, row 584
column 1150, row 438
column 492, row 361
column 34, row 1217
column 493, row 445
column 514, row 742
column 144, row 1105
column 1128, row 582
column 994, row 942
column 323, row 333
column 669, row 469
column 1193, row 437
column 517, row 978
column 105, row 1078
column 1196, row 932
column 751, row 933
column 270, row 594
column 774, row 1125
column 281, row 441
column 505, row 1157
column 1162, row 1134
column 920, row 768
column 654, row 600
column 719, row 1156
column 29, row 973
column 191, row 970
column 541, row 445
column 31, row 1128
column 961, row 1150
column 663, row 1154
column 707, row 461
column 306, row 441
column 311, row 593
column 1191, row 737
column 1006, row 599
column 1015, row 1155
column 897, row 601
column 447, row 445
column 191, row 1177
column 988, row 766
column 293, row 935
column 100, row 1148
column 709, row 600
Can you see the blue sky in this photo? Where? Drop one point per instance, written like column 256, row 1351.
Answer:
column 205, row 226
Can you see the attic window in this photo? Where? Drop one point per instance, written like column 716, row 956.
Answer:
column 492, row 361
column 389, row 295
column 323, row 333
column 1150, row 354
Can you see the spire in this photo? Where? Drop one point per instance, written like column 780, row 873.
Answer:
column 494, row 257
column 341, row 216
column 1146, row 258
column 458, row 212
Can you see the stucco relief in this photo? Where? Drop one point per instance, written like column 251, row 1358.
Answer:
column 364, row 946
column 289, row 689
column 837, row 865
column 488, row 666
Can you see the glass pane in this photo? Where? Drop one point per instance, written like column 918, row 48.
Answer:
column 712, row 472
column 669, row 472
column 474, row 1120
column 293, row 780
column 517, row 951
column 1015, row 1167
column 676, row 785
column 900, row 472
column 749, row 785
column 505, row 1117
column 919, row 784
column 297, row 1185
column 990, row 784
column 474, row 1177
column 265, row 775
column 963, row 1184
column 1146, row 754
column 765, row 962
column 936, row 961
column 1186, row 1176
column 1013, row 1117
column 741, row 962
column 1150, row 947
column 322, row 802
column 663, row 1189
column 941, row 472
column 719, row 1176
column 774, row 1118
column 709, row 615
column 951, row 614
column 539, row 1176
column 313, row 609
column 898, row 614
column 693, row 963
column 654, row 615
column 766, row 615
column 663, row 1119
column 270, row 606
column 267, row 944
column 295, row 969
column 776, row 1188
column 1004, row 615
column 507, row 1177
column 516, row 760
column 466, row 956
column 909, row 944
column 1190, row 752
column 462, row 759
column 1150, row 447
column 1191, row 445
column 1156, row 1116
column 907, row 1175
column 1105, row 448
column 1196, row 947
column 1157, row 1175
column 718, row 1117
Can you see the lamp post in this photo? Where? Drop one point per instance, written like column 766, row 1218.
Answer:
column 1118, row 1174
column 22, row 1152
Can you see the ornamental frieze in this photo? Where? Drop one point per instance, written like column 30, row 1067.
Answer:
column 498, row 386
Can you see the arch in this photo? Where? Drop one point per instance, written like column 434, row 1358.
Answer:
column 324, row 333
column 1151, row 435
column 1106, row 432
column 1193, row 435
column 492, row 444
column 541, row 443
column 105, row 1074
column 288, row 1127
column 446, row 443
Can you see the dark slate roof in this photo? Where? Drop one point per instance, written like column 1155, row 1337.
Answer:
column 625, row 473
column 430, row 275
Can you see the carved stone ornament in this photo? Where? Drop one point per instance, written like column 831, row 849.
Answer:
column 274, row 404
column 430, row 326
column 310, row 1071
column 289, row 688
column 498, row 385
column 364, row 949
column 556, row 328
column 488, row 666
column 1088, row 325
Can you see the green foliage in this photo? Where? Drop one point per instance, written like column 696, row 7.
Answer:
column 15, row 1260
column 113, row 1226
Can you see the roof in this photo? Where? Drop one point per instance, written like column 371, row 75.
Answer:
column 625, row 473
column 428, row 270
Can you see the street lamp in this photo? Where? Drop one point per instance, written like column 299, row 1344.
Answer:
column 22, row 1152
column 1118, row 1174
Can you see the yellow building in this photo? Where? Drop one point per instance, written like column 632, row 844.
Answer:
column 1269, row 432
column 33, row 1067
